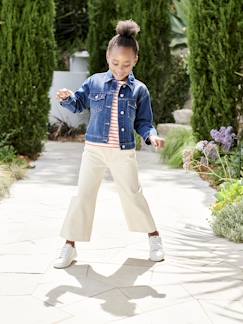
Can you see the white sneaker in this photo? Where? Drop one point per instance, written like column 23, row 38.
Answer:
column 67, row 255
column 156, row 248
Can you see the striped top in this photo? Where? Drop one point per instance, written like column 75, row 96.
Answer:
column 113, row 141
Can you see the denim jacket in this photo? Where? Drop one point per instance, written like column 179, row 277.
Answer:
column 134, row 108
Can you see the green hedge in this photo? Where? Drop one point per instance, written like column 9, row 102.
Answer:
column 27, row 59
column 216, row 51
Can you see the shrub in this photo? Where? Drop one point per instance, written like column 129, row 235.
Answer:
column 179, row 23
column 7, row 151
column 229, row 193
column 7, row 154
column 229, row 222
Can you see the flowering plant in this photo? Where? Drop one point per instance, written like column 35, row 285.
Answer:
column 224, row 136
column 216, row 157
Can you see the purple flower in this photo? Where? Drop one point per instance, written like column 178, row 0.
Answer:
column 187, row 156
column 201, row 145
column 204, row 161
column 224, row 136
column 211, row 151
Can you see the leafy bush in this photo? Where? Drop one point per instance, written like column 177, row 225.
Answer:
column 179, row 21
column 7, row 154
column 229, row 193
column 176, row 142
column 7, row 151
column 229, row 221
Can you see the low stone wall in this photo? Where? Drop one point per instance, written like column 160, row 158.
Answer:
column 163, row 129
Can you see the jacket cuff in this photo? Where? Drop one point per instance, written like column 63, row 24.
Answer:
column 152, row 131
column 68, row 100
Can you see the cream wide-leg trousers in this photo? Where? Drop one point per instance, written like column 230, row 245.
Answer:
column 78, row 222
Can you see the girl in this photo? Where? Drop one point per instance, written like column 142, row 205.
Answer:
column 119, row 104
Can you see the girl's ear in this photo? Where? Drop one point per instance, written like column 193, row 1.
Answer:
column 107, row 57
column 136, row 60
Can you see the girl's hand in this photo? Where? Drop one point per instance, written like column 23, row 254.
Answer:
column 63, row 94
column 156, row 141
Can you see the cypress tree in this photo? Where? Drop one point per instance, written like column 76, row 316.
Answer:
column 102, row 21
column 154, row 56
column 26, row 63
column 215, row 42
column 125, row 9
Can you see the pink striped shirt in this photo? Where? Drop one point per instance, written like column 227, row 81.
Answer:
column 113, row 141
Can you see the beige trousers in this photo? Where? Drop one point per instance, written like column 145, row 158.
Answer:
column 78, row 222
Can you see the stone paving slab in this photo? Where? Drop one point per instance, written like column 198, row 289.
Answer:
column 113, row 280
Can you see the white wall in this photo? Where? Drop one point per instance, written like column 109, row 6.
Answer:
column 72, row 81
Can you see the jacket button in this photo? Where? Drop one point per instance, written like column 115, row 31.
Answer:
column 122, row 95
column 122, row 129
column 122, row 112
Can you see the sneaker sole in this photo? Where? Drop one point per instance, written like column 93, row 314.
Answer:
column 66, row 266
column 62, row 267
column 159, row 260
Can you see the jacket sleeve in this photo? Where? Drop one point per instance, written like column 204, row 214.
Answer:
column 79, row 100
column 144, row 117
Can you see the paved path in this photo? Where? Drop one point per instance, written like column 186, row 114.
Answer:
column 199, row 282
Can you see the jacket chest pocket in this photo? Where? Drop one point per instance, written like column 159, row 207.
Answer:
column 96, row 101
column 131, row 108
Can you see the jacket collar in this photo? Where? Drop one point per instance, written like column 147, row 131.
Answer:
column 130, row 81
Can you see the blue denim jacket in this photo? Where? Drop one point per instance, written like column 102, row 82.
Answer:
column 134, row 108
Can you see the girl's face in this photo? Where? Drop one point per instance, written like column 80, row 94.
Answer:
column 121, row 61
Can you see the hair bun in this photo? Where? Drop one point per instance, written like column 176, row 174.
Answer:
column 127, row 28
